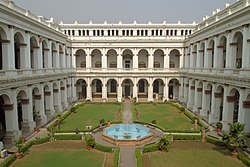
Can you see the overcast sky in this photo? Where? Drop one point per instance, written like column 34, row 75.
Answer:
column 127, row 11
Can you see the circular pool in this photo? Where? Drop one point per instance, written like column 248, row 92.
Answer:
column 127, row 134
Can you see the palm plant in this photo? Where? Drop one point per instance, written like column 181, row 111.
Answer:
column 164, row 143
column 235, row 136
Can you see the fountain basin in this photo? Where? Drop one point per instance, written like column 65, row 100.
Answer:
column 127, row 134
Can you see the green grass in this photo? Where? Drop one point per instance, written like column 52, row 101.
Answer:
column 165, row 115
column 192, row 154
column 90, row 115
column 62, row 158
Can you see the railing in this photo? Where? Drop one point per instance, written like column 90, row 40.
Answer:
column 127, row 70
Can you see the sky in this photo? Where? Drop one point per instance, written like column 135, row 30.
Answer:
column 127, row 11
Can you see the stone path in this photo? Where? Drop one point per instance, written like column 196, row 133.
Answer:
column 127, row 154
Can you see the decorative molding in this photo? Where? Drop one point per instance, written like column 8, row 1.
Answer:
column 231, row 98
column 37, row 97
column 217, row 94
column 246, row 104
column 24, row 101
column 199, row 89
column 55, row 90
column 208, row 92
column 4, row 41
column 192, row 87
column 8, row 107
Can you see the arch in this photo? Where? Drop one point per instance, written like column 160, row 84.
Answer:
column 158, row 89
column 97, row 88
column 19, row 54
column 53, row 54
column 2, row 47
column 112, row 58
column 173, row 89
column 81, row 89
column 237, row 47
column 143, row 58
column 112, row 89
column 45, row 54
column 233, row 104
column 22, row 99
column 194, row 56
column 80, row 58
column 96, row 58
column 201, row 55
column 174, row 58
column 127, row 88
column 33, row 52
column 222, row 49
column 158, row 58
column 4, row 105
column 210, row 52
column 61, row 55
column 127, row 55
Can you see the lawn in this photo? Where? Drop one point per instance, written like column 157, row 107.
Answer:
column 191, row 154
column 63, row 154
column 165, row 115
column 89, row 115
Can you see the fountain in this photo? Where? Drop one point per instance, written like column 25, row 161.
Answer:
column 127, row 134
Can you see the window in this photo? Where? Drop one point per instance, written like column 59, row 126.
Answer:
column 123, row 32
column 79, row 32
column 113, row 86
column 152, row 33
column 94, row 33
column 131, row 32
column 73, row 32
column 127, row 33
column 117, row 32
column 146, row 32
column 138, row 32
column 160, row 32
column 102, row 32
column 175, row 32
column 87, row 31
column 83, row 32
column 113, row 32
column 108, row 32
column 68, row 32
column 167, row 32
column 98, row 33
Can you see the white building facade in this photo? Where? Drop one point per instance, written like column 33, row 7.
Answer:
column 45, row 66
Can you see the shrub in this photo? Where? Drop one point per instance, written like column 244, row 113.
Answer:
column 103, row 147
column 215, row 141
column 68, row 136
column 138, row 157
column 90, row 141
column 25, row 147
column 182, row 109
column 244, row 158
column 187, row 137
column 8, row 161
column 150, row 148
column 116, row 157
column 153, row 121
column 164, row 143
column 219, row 125
column 41, row 140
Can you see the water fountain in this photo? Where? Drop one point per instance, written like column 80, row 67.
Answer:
column 127, row 134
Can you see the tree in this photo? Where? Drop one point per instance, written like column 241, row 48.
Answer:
column 235, row 136
column 164, row 143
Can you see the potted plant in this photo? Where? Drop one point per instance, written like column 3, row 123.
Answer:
column 164, row 143
column 153, row 122
column 219, row 127
column 235, row 137
column 19, row 145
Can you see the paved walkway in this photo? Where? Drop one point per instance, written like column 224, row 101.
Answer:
column 127, row 156
column 127, row 115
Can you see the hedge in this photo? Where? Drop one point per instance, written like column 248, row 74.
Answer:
column 25, row 147
column 116, row 157
column 183, row 130
column 8, row 161
column 138, row 157
column 68, row 136
column 187, row 137
column 215, row 141
column 103, row 147
column 150, row 148
column 244, row 158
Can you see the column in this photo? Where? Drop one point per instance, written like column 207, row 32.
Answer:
column 119, row 90
column 57, row 97
column 225, row 115
column 57, row 58
column 25, row 52
column 73, row 87
column 215, row 106
column 135, row 88
column 104, row 60
column 150, row 61
column 197, row 98
column 8, row 49
column 150, row 90
column 191, row 94
column 230, row 47
column 207, row 54
column 89, row 89
column 119, row 59
column 49, row 103
column 28, row 123
column 50, row 52
column 181, row 90
column 217, row 53
column 135, row 61
column 166, row 58
column 186, row 87
column 181, row 65
column 166, row 98
column 64, row 95
column 205, row 101
column 11, row 118
column 104, row 90
column 41, row 118
column 246, row 47
column 88, row 59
